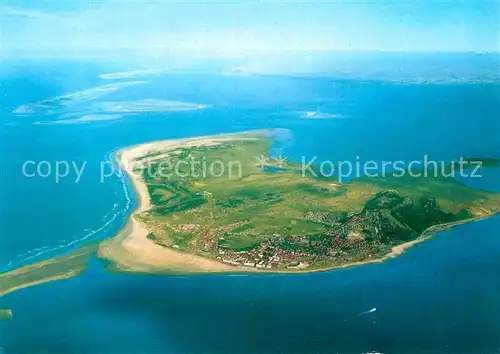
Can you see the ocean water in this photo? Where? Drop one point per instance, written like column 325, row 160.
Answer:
column 440, row 297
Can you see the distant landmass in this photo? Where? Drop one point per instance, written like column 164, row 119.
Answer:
column 392, row 66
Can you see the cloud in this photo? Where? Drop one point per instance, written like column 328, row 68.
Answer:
column 232, row 29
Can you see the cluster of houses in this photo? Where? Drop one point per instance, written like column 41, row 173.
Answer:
column 270, row 254
column 266, row 255
column 338, row 245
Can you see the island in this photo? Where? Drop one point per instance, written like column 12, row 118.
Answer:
column 222, row 204
column 5, row 315
column 56, row 268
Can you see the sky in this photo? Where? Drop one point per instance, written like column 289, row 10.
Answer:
column 227, row 29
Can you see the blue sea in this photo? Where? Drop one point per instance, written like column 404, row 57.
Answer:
column 440, row 297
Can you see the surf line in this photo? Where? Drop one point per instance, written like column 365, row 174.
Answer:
column 37, row 254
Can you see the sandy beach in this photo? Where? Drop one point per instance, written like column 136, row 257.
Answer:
column 132, row 251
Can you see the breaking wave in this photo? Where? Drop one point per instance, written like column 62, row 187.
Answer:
column 39, row 253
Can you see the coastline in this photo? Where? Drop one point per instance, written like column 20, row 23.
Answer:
column 131, row 251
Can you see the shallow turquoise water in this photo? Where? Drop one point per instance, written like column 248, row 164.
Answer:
column 441, row 297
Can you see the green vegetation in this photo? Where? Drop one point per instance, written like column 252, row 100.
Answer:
column 56, row 268
column 221, row 204
column 5, row 315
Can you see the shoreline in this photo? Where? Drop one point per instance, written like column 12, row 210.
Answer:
column 131, row 251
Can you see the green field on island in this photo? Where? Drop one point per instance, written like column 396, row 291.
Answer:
column 232, row 202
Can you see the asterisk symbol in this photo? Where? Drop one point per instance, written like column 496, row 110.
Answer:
column 281, row 161
column 262, row 161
